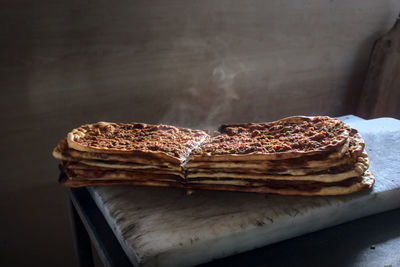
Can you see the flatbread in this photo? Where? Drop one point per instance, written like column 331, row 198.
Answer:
column 361, row 163
column 80, row 166
column 367, row 181
column 120, row 175
column 295, row 166
column 293, row 156
column 72, row 182
column 290, row 137
column 62, row 152
column 77, row 169
column 166, row 142
column 112, row 164
column 358, row 170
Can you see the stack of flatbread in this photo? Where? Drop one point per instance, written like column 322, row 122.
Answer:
column 132, row 153
column 292, row 156
column 295, row 156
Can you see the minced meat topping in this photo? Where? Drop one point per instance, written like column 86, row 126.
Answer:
column 175, row 141
column 307, row 134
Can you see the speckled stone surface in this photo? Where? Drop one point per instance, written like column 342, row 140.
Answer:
column 163, row 227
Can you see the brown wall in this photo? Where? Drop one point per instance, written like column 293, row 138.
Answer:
column 193, row 63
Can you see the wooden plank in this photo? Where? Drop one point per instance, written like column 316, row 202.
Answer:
column 381, row 92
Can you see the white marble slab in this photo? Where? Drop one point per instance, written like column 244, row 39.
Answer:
column 163, row 227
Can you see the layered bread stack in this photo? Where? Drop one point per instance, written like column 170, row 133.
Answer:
column 126, row 153
column 293, row 156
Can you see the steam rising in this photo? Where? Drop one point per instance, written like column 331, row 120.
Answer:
column 209, row 102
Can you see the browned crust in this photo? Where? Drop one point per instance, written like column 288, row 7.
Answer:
column 63, row 152
column 367, row 181
column 161, row 141
column 275, row 171
column 356, row 146
column 79, row 166
column 354, row 151
column 353, row 168
column 217, row 151
column 268, row 165
column 120, row 175
column 67, row 182
column 133, row 156
column 76, row 169
column 166, row 167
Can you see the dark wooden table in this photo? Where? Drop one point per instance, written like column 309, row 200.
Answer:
column 371, row 241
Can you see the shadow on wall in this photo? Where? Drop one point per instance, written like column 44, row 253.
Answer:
column 193, row 64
